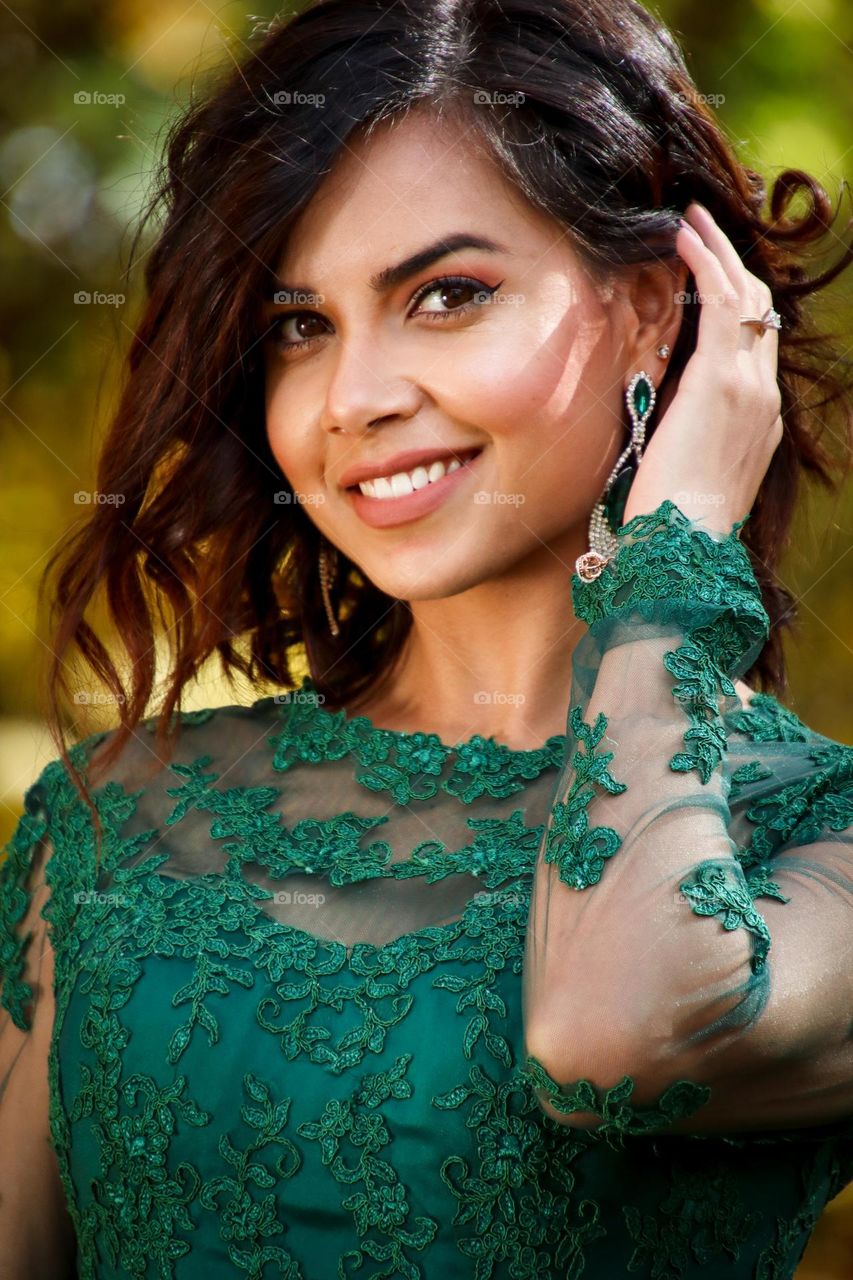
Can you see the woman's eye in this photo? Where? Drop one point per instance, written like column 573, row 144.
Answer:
column 298, row 330
column 297, row 337
column 458, row 293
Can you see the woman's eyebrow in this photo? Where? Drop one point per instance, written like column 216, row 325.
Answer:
column 390, row 277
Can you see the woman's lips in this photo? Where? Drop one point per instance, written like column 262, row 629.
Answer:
column 382, row 513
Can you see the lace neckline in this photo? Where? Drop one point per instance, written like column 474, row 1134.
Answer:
column 362, row 728
column 764, row 718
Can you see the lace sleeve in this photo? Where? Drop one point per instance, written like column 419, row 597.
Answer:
column 673, row 981
column 35, row 1228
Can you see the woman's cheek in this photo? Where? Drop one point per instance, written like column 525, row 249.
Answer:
column 289, row 443
column 529, row 370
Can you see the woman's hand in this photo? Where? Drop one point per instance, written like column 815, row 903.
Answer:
column 713, row 445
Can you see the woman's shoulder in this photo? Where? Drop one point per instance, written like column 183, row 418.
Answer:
column 763, row 717
column 744, row 692
column 793, row 783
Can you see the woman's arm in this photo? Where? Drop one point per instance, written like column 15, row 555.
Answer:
column 673, row 980
column 656, row 951
column 36, row 1232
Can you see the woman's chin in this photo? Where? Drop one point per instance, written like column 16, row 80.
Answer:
column 426, row 585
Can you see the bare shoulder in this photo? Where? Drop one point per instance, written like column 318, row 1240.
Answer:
column 744, row 692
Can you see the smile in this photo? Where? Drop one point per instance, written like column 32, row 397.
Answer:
column 408, row 495
column 402, row 483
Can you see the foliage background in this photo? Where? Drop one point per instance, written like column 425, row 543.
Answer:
column 73, row 174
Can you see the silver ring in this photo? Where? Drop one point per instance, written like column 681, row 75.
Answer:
column 770, row 320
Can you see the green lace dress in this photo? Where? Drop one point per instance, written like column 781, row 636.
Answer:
column 342, row 1001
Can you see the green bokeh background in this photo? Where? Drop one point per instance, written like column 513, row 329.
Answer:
column 73, row 176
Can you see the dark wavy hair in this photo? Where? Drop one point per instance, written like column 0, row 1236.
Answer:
column 611, row 138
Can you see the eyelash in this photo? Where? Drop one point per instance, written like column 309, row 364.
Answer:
column 423, row 292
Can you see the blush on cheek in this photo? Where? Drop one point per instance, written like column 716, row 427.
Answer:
column 298, row 450
column 545, row 363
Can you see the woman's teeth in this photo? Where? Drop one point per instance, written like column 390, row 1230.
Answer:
column 403, row 482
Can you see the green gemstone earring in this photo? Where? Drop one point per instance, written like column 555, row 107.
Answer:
column 606, row 516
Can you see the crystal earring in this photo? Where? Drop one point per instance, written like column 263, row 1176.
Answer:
column 606, row 516
column 663, row 350
column 328, row 566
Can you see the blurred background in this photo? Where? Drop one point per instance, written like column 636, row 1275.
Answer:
column 87, row 89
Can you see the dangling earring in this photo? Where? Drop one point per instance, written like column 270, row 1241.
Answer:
column 328, row 566
column 606, row 516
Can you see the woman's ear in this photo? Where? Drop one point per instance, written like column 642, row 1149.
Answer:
column 653, row 298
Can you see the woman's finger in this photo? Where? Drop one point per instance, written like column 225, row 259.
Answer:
column 752, row 291
column 720, row 302
column 756, row 297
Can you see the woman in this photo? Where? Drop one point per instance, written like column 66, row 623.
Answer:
column 512, row 940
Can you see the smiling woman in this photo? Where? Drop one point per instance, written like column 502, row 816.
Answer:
column 501, row 357
column 512, row 940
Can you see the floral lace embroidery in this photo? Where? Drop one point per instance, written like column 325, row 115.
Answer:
column 408, row 766
column 382, row 1205
column 332, row 847
column 799, row 812
column 778, row 1260
column 245, row 1220
column 702, row 1218
column 618, row 1115
column 670, row 572
column 664, row 565
column 720, row 889
column 519, row 1201
column 766, row 720
column 138, row 1208
column 579, row 852
column 668, row 569
column 28, row 833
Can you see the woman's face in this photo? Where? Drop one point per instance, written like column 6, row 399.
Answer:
column 524, row 361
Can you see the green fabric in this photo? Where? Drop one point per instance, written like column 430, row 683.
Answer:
column 299, row 1013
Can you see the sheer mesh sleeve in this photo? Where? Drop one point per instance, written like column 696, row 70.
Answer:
column 688, row 958
column 35, row 1228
